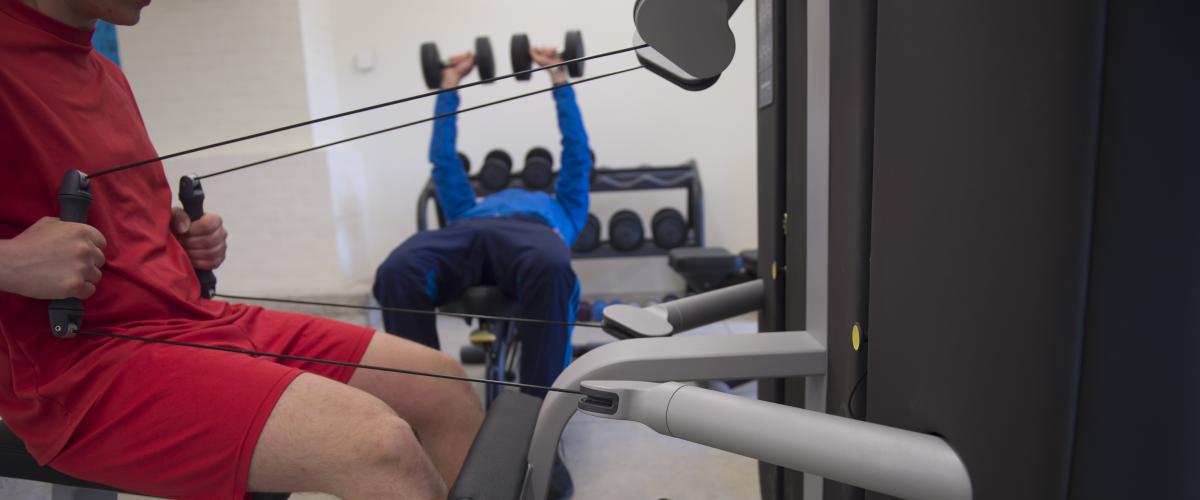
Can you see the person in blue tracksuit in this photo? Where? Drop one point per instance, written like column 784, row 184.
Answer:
column 516, row 239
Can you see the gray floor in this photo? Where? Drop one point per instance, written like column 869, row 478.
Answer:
column 607, row 459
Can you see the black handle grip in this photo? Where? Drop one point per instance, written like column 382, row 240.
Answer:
column 74, row 200
column 191, row 195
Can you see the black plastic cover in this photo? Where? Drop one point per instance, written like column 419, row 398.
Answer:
column 684, row 259
column 496, row 466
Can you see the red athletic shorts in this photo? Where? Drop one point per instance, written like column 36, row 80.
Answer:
column 180, row 422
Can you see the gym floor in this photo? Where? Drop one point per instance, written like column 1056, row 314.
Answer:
column 611, row 459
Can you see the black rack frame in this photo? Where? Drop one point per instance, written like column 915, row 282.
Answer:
column 606, row 179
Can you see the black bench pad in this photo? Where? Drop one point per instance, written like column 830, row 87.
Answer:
column 16, row 462
column 497, row 464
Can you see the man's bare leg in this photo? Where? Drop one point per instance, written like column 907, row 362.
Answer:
column 446, row 414
column 332, row 438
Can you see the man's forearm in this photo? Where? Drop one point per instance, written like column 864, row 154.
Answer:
column 454, row 190
column 570, row 122
column 573, row 186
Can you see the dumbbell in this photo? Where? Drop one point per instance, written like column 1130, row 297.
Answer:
column 626, row 231
column 432, row 64
column 589, row 237
column 497, row 166
column 598, row 310
column 539, row 168
column 584, row 313
column 466, row 162
column 669, row 229
column 522, row 61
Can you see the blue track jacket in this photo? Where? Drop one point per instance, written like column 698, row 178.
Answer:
column 566, row 211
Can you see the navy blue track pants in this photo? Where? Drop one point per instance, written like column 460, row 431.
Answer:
column 522, row 256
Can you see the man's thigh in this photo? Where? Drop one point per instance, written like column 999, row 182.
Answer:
column 327, row 436
column 177, row 422
column 439, row 264
column 307, row 336
column 417, row 399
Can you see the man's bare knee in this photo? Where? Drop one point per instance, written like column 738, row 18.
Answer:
column 389, row 442
column 443, row 364
column 395, row 449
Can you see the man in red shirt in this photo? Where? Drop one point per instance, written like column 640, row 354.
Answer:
column 165, row 420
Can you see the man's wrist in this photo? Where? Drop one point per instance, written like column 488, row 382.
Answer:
column 558, row 76
column 450, row 78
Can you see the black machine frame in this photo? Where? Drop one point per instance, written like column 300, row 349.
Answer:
column 1013, row 230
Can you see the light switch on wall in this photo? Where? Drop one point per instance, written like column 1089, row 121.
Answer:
column 364, row 61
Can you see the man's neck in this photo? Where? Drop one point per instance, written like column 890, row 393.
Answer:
column 61, row 11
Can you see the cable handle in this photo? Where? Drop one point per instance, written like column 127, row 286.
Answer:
column 191, row 195
column 74, row 201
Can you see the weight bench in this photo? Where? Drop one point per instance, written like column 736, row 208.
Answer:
column 495, row 342
column 704, row 269
column 17, row 463
column 495, row 469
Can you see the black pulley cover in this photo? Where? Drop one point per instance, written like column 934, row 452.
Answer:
column 521, row 60
column 494, row 173
column 626, row 231
column 589, row 237
column 539, row 168
column 431, row 65
column 669, row 228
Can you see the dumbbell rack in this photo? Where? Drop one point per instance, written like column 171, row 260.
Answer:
column 606, row 179
column 645, row 178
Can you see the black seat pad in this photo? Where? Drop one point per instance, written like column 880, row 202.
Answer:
column 482, row 300
column 702, row 259
column 496, row 466
column 16, row 462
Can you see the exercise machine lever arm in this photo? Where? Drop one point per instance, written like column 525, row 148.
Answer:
column 677, row 316
column 888, row 460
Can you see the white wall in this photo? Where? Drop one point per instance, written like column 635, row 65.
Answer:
column 213, row 69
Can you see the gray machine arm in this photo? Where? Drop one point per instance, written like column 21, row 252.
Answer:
column 710, row 357
column 669, row 318
column 885, row 459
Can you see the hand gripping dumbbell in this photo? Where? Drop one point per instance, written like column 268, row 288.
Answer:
column 432, row 64
column 523, row 61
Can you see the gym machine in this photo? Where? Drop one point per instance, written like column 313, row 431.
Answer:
column 1013, row 253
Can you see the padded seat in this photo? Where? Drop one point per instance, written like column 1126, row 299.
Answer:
column 703, row 268
column 750, row 262
column 482, row 300
column 497, row 465
column 16, row 462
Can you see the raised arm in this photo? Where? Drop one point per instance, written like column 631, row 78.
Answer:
column 574, row 180
column 454, row 192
